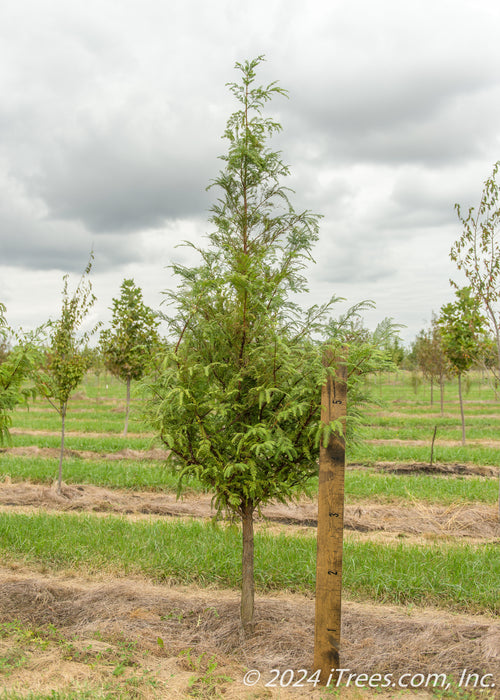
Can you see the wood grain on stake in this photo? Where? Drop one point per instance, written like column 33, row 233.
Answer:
column 330, row 527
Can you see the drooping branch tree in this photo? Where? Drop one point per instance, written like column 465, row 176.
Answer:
column 128, row 345
column 477, row 254
column 237, row 397
column 65, row 362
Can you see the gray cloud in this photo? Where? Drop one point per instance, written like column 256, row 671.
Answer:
column 112, row 113
column 123, row 179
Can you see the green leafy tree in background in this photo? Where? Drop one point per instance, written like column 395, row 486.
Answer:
column 95, row 366
column 237, row 399
column 66, row 362
column 477, row 254
column 461, row 327
column 133, row 338
column 15, row 368
column 431, row 358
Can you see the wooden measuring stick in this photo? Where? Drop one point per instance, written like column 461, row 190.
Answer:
column 330, row 528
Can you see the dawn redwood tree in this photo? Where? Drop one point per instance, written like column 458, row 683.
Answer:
column 128, row 345
column 66, row 362
column 462, row 327
column 237, row 397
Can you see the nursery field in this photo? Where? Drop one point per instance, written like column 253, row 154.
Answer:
column 117, row 589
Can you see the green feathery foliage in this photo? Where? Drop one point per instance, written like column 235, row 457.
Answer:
column 237, row 399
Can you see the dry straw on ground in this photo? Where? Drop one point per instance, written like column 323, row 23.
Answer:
column 376, row 638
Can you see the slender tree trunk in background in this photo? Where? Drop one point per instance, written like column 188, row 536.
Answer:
column 441, row 390
column 432, row 445
column 461, row 407
column 61, row 455
column 127, row 409
column 432, row 391
column 247, row 578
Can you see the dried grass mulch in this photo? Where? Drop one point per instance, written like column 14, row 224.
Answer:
column 376, row 638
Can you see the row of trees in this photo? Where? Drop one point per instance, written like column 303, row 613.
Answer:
column 53, row 361
column 236, row 393
column 455, row 342
column 466, row 333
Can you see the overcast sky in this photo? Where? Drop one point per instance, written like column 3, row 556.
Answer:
column 112, row 111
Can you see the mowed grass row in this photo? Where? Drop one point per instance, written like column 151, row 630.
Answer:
column 137, row 475
column 83, row 422
column 365, row 452
column 369, row 453
column 481, row 431
column 463, row 577
column 83, row 416
column 101, row 444
column 403, row 415
column 408, row 386
column 155, row 476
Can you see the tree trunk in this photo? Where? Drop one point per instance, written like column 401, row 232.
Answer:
column 441, row 389
column 461, row 407
column 61, row 455
column 432, row 391
column 247, row 577
column 432, row 445
column 127, row 409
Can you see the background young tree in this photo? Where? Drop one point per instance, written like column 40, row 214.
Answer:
column 477, row 254
column 237, row 400
column 65, row 362
column 431, row 358
column 128, row 345
column 462, row 326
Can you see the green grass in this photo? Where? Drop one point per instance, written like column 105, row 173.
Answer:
column 424, row 432
column 469, row 454
column 81, row 442
column 415, row 420
column 85, row 420
column 442, row 490
column 122, row 473
column 426, row 422
column 462, row 577
column 411, row 386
